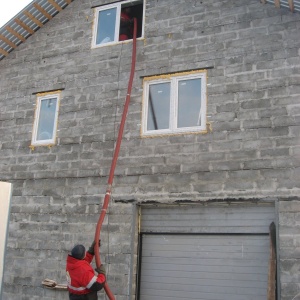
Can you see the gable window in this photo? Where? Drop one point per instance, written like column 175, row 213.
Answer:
column 45, row 123
column 114, row 23
column 174, row 103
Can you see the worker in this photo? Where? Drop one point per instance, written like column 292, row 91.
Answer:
column 83, row 284
column 126, row 21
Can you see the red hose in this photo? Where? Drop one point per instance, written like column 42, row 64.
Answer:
column 114, row 162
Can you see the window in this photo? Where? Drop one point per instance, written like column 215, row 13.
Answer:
column 174, row 103
column 113, row 23
column 45, row 123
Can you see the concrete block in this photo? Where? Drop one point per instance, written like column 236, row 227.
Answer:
column 273, row 132
column 251, row 151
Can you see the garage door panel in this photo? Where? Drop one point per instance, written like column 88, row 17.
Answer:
column 232, row 218
column 239, row 247
column 211, row 211
column 191, row 282
column 206, row 271
column 209, row 263
column 215, row 286
column 199, row 274
column 151, row 294
column 202, row 297
column 215, row 254
column 206, row 240
column 205, row 229
column 204, row 223
column 203, row 254
column 195, row 278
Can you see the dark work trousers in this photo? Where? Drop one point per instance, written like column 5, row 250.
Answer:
column 90, row 296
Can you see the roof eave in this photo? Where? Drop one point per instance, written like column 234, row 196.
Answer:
column 27, row 22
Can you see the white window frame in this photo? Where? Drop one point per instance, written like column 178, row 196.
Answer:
column 174, row 80
column 118, row 6
column 40, row 98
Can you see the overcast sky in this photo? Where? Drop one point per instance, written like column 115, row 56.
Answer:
column 9, row 8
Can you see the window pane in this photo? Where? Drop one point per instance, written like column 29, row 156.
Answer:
column 46, row 119
column 189, row 103
column 106, row 26
column 158, row 106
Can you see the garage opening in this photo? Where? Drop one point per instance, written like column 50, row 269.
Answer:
column 205, row 252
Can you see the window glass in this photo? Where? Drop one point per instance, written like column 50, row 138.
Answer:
column 106, row 26
column 159, row 106
column 189, row 103
column 174, row 103
column 46, row 119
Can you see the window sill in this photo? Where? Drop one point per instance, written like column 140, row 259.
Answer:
column 35, row 145
column 116, row 43
column 166, row 134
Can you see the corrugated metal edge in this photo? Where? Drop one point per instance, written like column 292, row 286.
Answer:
column 292, row 5
column 27, row 22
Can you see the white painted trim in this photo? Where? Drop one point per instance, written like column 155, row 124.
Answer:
column 96, row 19
column 5, row 197
column 117, row 5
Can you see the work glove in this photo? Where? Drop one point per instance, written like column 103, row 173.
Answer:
column 91, row 249
column 101, row 270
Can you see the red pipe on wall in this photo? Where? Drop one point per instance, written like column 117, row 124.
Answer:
column 114, row 161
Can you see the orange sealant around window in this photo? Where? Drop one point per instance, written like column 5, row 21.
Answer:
column 48, row 93
column 169, row 76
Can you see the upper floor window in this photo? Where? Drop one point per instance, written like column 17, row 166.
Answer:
column 114, row 23
column 174, row 103
column 45, row 123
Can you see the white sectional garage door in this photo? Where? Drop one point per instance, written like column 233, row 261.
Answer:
column 205, row 252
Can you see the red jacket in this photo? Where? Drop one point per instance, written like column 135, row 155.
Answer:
column 126, row 29
column 81, row 276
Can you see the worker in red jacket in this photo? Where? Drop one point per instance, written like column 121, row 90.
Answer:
column 126, row 27
column 83, row 284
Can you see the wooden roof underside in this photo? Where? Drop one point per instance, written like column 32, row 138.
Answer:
column 292, row 5
column 27, row 22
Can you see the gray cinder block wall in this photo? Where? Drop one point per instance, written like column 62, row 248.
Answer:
column 252, row 55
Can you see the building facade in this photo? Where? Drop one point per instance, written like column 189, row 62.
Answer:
column 209, row 157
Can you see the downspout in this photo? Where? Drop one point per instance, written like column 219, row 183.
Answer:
column 114, row 161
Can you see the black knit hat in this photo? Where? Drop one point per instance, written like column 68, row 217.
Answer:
column 78, row 252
